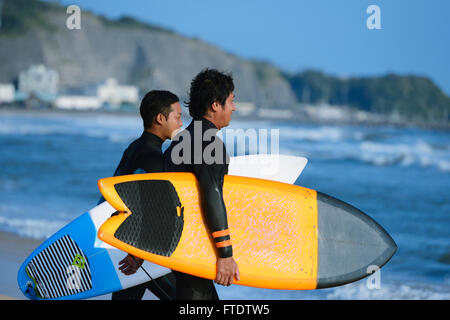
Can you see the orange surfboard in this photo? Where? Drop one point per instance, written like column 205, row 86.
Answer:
column 284, row 236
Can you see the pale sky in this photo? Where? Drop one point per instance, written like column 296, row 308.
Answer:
column 327, row 35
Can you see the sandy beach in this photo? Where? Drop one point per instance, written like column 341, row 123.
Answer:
column 13, row 252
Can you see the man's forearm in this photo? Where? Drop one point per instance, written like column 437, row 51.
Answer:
column 215, row 212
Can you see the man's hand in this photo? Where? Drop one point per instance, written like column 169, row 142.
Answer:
column 130, row 264
column 227, row 270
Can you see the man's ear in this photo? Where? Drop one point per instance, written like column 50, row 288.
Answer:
column 159, row 119
column 215, row 106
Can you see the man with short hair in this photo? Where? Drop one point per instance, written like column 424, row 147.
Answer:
column 211, row 103
column 161, row 115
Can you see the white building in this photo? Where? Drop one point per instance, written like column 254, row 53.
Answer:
column 78, row 102
column 38, row 79
column 275, row 113
column 111, row 92
column 245, row 108
column 7, row 93
column 326, row 112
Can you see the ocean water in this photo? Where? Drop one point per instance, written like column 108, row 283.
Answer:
column 50, row 164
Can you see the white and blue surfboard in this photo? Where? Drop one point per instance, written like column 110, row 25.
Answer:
column 74, row 264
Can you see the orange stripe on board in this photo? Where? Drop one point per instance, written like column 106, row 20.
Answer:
column 222, row 244
column 220, row 233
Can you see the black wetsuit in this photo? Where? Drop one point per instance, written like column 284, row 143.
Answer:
column 144, row 155
column 210, row 176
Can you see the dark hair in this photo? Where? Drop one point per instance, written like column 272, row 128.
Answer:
column 207, row 87
column 155, row 102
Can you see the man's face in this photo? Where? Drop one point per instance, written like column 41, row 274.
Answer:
column 173, row 123
column 226, row 111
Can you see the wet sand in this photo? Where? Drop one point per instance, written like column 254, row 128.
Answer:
column 13, row 251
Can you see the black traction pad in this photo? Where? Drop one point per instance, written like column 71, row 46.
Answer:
column 154, row 224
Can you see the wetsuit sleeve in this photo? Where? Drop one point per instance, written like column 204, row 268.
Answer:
column 210, row 178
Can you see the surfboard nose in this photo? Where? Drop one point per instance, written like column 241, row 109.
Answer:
column 351, row 245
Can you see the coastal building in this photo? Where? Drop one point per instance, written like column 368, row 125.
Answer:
column 281, row 114
column 326, row 112
column 39, row 80
column 78, row 102
column 114, row 94
column 7, row 93
column 245, row 108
